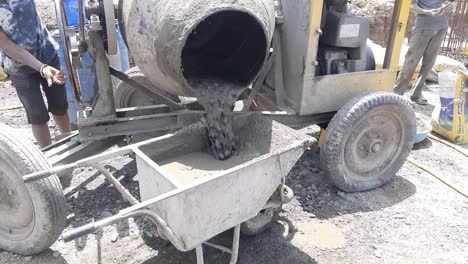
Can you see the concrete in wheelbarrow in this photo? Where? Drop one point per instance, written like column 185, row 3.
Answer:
column 216, row 195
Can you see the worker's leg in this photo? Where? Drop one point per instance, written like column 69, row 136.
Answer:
column 429, row 59
column 42, row 135
column 29, row 92
column 57, row 100
column 63, row 122
column 417, row 45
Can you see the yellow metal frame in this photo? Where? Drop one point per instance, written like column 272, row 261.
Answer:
column 402, row 13
column 328, row 93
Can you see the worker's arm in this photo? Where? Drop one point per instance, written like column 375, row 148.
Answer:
column 416, row 9
column 448, row 6
column 22, row 56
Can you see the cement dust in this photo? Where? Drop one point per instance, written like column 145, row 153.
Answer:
column 218, row 98
column 322, row 235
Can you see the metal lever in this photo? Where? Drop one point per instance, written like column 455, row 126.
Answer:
column 124, row 77
column 79, row 232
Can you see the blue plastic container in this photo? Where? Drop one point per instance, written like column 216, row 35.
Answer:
column 423, row 129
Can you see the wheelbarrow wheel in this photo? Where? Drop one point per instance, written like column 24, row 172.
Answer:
column 368, row 141
column 32, row 214
column 259, row 223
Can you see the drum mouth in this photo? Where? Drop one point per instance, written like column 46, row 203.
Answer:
column 227, row 45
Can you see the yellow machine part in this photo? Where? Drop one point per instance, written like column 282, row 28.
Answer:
column 402, row 15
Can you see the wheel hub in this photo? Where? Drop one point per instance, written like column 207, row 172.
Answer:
column 376, row 147
column 372, row 145
column 16, row 209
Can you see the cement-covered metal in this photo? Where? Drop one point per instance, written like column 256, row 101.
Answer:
column 156, row 33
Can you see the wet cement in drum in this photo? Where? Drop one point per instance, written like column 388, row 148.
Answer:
column 218, row 98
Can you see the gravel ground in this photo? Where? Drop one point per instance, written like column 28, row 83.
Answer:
column 414, row 219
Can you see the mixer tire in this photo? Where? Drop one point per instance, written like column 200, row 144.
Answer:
column 33, row 215
column 127, row 96
column 368, row 141
column 259, row 223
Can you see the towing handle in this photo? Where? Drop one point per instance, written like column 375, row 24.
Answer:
column 79, row 232
column 130, row 212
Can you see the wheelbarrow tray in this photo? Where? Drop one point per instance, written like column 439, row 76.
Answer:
column 220, row 197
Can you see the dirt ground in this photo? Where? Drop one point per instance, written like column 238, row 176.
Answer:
column 414, row 219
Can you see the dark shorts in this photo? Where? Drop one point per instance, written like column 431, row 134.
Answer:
column 28, row 88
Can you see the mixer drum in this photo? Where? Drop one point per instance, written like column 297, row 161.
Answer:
column 173, row 41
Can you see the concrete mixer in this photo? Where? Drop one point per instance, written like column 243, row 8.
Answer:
column 302, row 62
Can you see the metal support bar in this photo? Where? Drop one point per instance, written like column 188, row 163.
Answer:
column 105, row 104
column 278, row 69
column 99, row 225
column 296, row 121
column 260, row 80
column 120, row 188
column 397, row 33
column 82, row 150
column 126, row 79
column 199, row 251
column 140, row 124
column 61, row 141
column 235, row 245
column 218, row 247
column 82, row 163
column 234, row 251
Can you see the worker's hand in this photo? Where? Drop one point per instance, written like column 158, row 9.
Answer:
column 53, row 75
column 434, row 12
column 448, row 6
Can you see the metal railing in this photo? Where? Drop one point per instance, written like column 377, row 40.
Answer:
column 457, row 35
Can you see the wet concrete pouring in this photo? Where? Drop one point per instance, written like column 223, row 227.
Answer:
column 218, row 98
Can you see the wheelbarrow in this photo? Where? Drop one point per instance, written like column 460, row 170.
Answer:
column 192, row 197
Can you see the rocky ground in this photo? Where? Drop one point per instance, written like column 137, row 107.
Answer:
column 47, row 11
column 414, row 219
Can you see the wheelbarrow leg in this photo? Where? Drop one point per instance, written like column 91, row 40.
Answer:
column 200, row 254
column 235, row 245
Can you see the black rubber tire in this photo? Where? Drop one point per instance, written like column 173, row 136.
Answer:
column 353, row 121
column 127, row 96
column 370, row 59
column 265, row 218
column 259, row 223
column 37, row 208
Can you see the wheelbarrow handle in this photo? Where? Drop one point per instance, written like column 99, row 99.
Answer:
column 79, row 232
